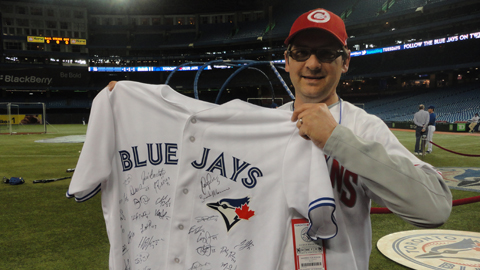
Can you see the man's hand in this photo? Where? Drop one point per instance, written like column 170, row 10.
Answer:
column 111, row 85
column 315, row 122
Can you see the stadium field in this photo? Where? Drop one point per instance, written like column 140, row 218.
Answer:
column 41, row 229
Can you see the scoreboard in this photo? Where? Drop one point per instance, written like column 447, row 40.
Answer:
column 57, row 40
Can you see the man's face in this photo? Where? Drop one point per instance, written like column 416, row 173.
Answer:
column 430, row 110
column 315, row 81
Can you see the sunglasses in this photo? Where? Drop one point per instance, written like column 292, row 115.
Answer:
column 323, row 55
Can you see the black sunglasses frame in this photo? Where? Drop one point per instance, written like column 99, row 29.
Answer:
column 337, row 53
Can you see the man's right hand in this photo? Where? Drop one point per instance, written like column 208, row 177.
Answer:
column 111, row 85
column 315, row 122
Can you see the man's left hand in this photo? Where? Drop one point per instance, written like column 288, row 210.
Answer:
column 111, row 85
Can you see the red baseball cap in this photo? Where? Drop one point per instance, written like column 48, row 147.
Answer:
column 319, row 19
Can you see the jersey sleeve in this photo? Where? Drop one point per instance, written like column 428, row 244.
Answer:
column 393, row 177
column 94, row 164
column 308, row 189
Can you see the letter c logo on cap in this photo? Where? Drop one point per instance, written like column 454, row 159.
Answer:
column 319, row 16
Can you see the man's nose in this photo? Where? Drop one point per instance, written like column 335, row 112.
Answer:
column 313, row 63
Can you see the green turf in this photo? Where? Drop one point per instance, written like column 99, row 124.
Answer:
column 463, row 218
column 441, row 158
column 41, row 229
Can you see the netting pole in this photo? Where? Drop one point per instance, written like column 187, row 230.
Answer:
column 178, row 68
column 249, row 66
column 424, row 144
column 9, row 121
column 269, row 82
column 244, row 62
column 44, row 118
column 281, row 80
column 197, row 76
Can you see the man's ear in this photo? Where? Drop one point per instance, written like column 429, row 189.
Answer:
column 287, row 66
column 346, row 62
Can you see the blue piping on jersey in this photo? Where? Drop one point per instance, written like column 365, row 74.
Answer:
column 319, row 203
column 88, row 196
column 322, row 199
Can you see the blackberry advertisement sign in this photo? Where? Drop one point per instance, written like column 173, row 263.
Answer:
column 43, row 77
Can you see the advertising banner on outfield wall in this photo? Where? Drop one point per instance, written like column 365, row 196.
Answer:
column 42, row 77
column 17, row 119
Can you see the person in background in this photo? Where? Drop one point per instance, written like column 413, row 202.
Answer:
column 473, row 122
column 31, row 119
column 431, row 128
column 420, row 119
column 475, row 129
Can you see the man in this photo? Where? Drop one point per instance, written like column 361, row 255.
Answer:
column 431, row 127
column 365, row 160
column 475, row 129
column 473, row 122
column 420, row 119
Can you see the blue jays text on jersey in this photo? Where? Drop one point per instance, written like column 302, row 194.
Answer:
column 168, row 156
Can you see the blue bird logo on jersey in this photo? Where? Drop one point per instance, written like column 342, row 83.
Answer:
column 233, row 210
column 464, row 248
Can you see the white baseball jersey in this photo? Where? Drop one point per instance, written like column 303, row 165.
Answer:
column 188, row 184
column 366, row 161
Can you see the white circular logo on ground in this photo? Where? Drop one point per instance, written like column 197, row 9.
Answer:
column 319, row 16
column 433, row 249
column 462, row 178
